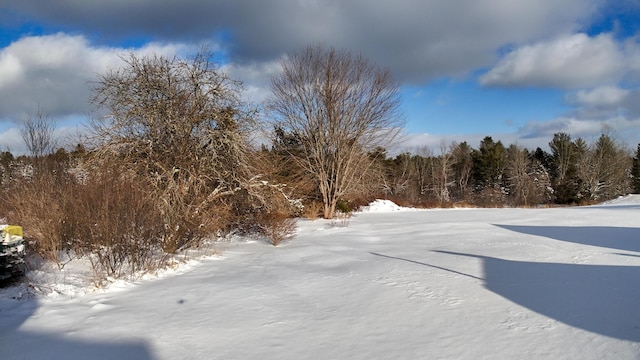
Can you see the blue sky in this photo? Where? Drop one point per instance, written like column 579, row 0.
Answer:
column 516, row 70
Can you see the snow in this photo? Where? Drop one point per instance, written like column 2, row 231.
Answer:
column 383, row 206
column 560, row 283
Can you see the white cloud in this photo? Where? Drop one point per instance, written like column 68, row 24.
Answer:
column 603, row 103
column 10, row 69
column 623, row 128
column 50, row 72
column 12, row 140
column 55, row 72
column 572, row 61
column 255, row 77
column 415, row 142
column 536, row 134
column 418, row 40
column 601, row 96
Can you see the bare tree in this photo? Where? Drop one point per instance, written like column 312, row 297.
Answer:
column 181, row 124
column 462, row 168
column 37, row 133
column 342, row 107
column 399, row 175
column 442, row 169
column 518, row 174
column 604, row 169
column 423, row 164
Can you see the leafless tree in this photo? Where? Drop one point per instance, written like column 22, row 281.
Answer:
column 342, row 107
column 423, row 164
column 181, row 124
column 604, row 169
column 442, row 170
column 462, row 168
column 37, row 133
column 399, row 175
column 518, row 174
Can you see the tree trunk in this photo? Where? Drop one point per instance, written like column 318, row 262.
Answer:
column 330, row 208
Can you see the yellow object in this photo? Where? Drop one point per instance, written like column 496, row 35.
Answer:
column 14, row 230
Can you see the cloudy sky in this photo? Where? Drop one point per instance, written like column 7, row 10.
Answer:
column 517, row 70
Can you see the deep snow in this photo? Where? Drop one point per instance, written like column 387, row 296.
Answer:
column 558, row 283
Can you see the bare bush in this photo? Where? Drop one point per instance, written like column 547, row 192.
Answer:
column 38, row 205
column 181, row 124
column 490, row 197
column 277, row 226
column 113, row 219
column 109, row 216
column 341, row 220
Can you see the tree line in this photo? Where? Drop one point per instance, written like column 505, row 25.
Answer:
column 573, row 172
column 170, row 163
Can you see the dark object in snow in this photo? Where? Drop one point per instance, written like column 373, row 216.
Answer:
column 11, row 252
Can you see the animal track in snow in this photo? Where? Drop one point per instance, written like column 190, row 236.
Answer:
column 527, row 321
column 417, row 290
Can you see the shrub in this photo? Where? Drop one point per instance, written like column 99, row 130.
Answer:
column 107, row 215
column 343, row 206
column 312, row 210
column 38, row 205
column 490, row 197
column 113, row 219
column 277, row 226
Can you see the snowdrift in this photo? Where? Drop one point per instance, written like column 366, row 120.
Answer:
column 383, row 206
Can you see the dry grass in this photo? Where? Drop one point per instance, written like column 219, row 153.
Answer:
column 312, row 210
column 38, row 205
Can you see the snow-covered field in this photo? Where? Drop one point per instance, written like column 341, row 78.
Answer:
column 388, row 284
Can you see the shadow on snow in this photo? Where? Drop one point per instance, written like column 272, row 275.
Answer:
column 603, row 299
column 597, row 298
column 619, row 238
column 19, row 344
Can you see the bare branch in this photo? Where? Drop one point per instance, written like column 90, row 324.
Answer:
column 181, row 124
column 342, row 107
column 37, row 134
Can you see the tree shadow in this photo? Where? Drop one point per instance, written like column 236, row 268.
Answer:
column 424, row 264
column 613, row 207
column 19, row 344
column 596, row 298
column 629, row 255
column 620, row 238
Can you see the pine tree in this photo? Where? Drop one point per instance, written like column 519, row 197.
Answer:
column 635, row 172
column 563, row 168
column 489, row 163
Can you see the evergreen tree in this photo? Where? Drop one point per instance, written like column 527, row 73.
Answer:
column 489, row 163
column 544, row 158
column 635, row 172
column 563, row 168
